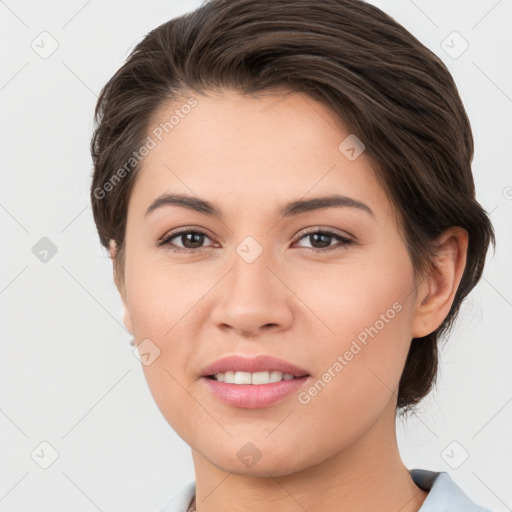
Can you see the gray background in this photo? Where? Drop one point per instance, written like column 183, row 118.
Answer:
column 68, row 374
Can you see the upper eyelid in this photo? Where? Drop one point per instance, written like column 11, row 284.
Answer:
column 330, row 231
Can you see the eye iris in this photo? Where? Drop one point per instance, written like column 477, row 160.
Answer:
column 194, row 238
column 323, row 238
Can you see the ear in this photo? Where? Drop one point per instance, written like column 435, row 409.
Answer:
column 437, row 291
column 120, row 287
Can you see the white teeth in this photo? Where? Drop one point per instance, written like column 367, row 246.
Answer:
column 242, row 378
column 252, row 378
column 260, row 378
column 276, row 376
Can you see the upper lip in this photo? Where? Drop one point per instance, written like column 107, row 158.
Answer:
column 252, row 364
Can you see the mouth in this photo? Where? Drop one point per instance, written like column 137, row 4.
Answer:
column 260, row 366
column 256, row 378
column 253, row 383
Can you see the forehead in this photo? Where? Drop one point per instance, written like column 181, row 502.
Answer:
column 252, row 150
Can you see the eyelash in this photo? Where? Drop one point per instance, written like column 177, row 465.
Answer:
column 166, row 240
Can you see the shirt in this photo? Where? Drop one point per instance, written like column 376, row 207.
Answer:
column 444, row 495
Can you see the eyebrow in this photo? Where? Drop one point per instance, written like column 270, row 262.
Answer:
column 288, row 210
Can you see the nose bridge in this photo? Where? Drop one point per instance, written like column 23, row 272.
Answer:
column 251, row 274
column 252, row 296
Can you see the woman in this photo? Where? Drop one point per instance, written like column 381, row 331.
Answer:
column 286, row 193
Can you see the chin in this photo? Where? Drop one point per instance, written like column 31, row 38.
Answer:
column 261, row 459
column 262, row 468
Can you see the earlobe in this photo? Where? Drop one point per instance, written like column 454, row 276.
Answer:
column 437, row 292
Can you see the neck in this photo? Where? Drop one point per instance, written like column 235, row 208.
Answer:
column 368, row 475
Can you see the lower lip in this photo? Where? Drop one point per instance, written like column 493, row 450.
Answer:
column 250, row 396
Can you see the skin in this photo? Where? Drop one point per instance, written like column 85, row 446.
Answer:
column 339, row 451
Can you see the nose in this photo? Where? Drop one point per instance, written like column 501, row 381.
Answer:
column 253, row 298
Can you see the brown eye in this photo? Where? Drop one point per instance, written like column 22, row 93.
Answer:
column 190, row 239
column 321, row 240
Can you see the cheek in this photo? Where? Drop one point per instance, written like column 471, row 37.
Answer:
column 362, row 299
column 160, row 296
column 164, row 301
column 366, row 315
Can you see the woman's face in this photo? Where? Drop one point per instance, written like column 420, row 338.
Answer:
column 258, row 284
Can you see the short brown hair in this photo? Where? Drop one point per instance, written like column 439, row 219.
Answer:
column 391, row 91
